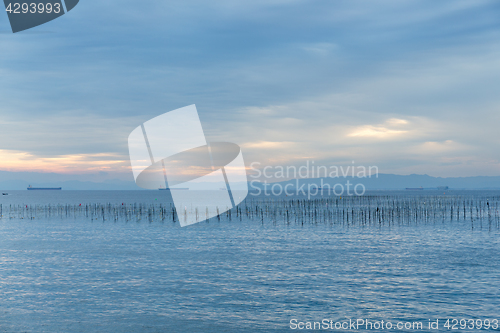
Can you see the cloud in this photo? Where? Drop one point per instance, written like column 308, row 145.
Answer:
column 268, row 145
column 440, row 148
column 66, row 164
column 287, row 80
column 390, row 129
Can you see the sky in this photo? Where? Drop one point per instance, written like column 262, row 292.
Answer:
column 409, row 86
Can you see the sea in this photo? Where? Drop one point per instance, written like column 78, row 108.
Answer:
column 116, row 261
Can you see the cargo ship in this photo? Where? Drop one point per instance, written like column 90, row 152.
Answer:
column 31, row 188
column 415, row 188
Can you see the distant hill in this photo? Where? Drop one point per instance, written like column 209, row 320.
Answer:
column 21, row 180
column 70, row 185
column 400, row 182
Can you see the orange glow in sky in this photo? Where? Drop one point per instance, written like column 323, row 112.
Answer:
column 17, row 161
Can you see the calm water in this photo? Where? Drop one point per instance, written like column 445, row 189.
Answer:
column 80, row 275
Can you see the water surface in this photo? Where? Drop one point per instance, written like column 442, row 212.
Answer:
column 82, row 275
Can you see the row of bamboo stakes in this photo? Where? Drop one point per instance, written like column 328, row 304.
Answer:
column 348, row 211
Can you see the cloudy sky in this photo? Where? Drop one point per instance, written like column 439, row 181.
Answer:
column 409, row 86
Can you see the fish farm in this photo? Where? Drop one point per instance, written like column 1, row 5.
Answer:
column 368, row 210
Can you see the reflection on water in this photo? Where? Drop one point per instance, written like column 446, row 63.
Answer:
column 236, row 275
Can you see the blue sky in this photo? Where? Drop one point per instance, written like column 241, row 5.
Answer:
column 409, row 86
